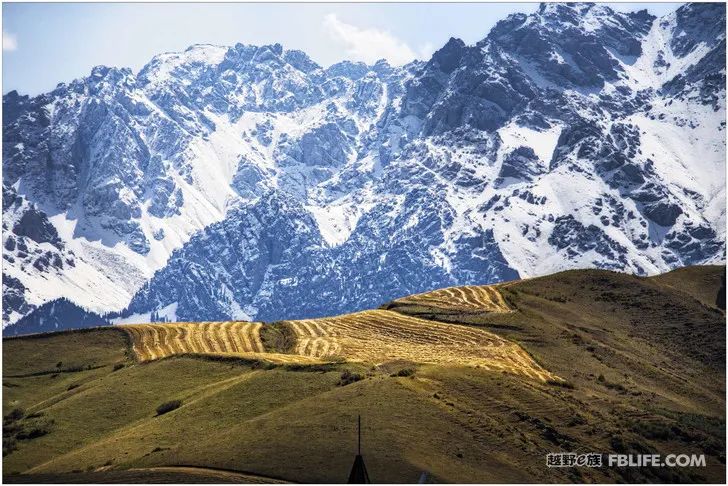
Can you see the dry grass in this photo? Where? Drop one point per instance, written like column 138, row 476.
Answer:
column 659, row 348
column 380, row 336
column 159, row 475
column 376, row 337
column 156, row 341
column 469, row 297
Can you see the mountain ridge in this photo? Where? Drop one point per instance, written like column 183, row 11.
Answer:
column 520, row 155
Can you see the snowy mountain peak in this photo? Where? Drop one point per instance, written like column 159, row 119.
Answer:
column 165, row 67
column 250, row 182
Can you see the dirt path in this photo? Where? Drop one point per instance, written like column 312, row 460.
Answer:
column 148, row 475
column 225, row 475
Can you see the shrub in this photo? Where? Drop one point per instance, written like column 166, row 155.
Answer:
column 9, row 444
column 404, row 372
column 561, row 383
column 615, row 386
column 15, row 414
column 618, row 444
column 168, row 406
column 347, row 378
column 576, row 420
column 33, row 433
column 258, row 365
column 656, row 430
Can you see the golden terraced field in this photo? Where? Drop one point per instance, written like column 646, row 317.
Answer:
column 465, row 298
column 155, row 341
column 378, row 336
column 374, row 336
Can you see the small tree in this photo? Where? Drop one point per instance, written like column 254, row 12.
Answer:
column 15, row 414
column 168, row 406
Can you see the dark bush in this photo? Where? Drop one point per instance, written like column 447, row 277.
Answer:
column 262, row 365
column 561, row 383
column 656, row 430
column 576, row 420
column 404, row 372
column 615, row 386
column 118, row 366
column 168, row 406
column 9, row 444
column 618, row 444
column 33, row 433
column 15, row 414
column 347, row 378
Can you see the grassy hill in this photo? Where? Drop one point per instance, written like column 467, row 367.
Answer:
column 622, row 364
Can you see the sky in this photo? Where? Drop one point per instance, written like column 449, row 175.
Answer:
column 48, row 43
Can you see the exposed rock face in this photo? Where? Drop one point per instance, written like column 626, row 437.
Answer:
column 14, row 298
column 249, row 182
column 522, row 163
column 56, row 315
column 35, row 225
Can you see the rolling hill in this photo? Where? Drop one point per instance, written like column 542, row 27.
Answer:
column 467, row 384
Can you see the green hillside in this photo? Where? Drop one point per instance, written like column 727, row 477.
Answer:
column 641, row 362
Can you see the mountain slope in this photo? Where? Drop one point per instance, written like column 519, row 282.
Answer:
column 573, row 137
column 141, row 162
column 57, row 315
column 641, row 387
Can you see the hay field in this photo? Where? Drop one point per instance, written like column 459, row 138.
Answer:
column 374, row 336
column 378, row 336
column 155, row 341
column 465, row 298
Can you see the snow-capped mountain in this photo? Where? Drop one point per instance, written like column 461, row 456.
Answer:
column 251, row 183
column 56, row 315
